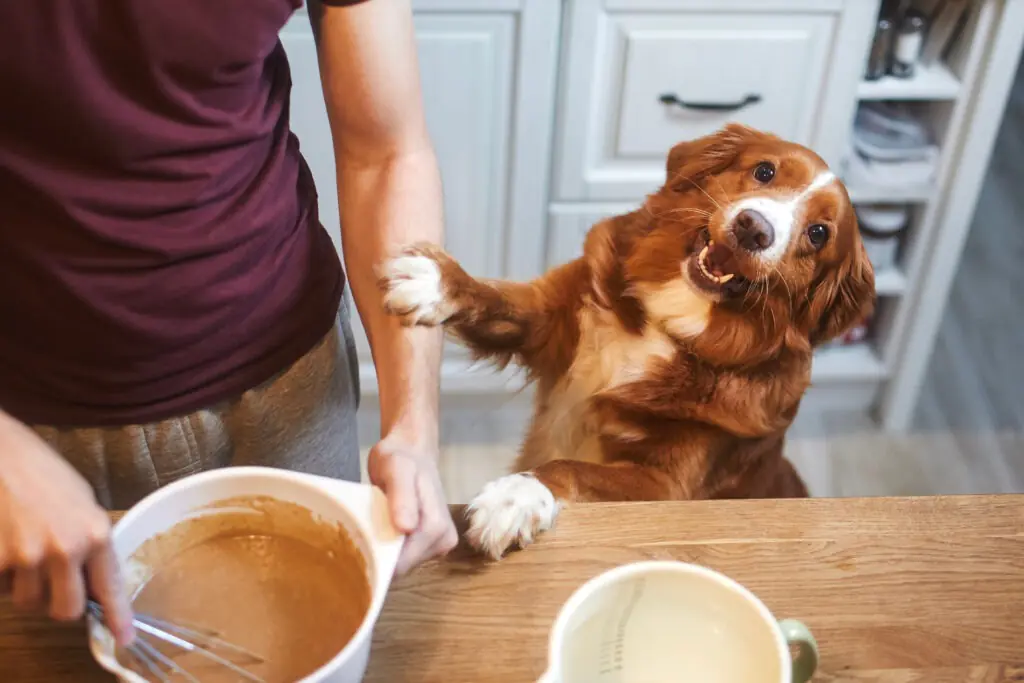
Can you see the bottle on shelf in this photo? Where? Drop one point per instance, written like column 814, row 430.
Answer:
column 908, row 43
column 881, row 49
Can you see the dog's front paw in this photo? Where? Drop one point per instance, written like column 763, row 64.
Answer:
column 413, row 287
column 510, row 511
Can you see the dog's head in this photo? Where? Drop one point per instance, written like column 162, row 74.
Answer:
column 750, row 224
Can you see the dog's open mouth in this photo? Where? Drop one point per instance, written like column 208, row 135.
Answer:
column 714, row 268
column 711, row 267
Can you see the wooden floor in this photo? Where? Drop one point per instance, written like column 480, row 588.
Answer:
column 969, row 431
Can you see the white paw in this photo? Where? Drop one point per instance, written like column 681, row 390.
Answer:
column 510, row 511
column 413, row 290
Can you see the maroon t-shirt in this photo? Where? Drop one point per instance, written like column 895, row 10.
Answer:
column 160, row 248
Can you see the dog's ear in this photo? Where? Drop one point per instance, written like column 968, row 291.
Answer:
column 844, row 299
column 689, row 162
column 604, row 250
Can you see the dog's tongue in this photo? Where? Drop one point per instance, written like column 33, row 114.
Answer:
column 719, row 259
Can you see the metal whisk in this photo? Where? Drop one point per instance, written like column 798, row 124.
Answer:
column 192, row 639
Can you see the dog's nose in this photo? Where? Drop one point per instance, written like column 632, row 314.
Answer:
column 753, row 231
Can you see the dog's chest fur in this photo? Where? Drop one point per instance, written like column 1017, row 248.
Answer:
column 607, row 356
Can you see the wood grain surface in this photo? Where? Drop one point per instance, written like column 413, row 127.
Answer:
column 900, row 590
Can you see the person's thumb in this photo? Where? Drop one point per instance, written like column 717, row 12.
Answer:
column 398, row 480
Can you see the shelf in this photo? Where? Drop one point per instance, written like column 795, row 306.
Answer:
column 935, row 82
column 855, row 362
column 881, row 194
column 890, row 282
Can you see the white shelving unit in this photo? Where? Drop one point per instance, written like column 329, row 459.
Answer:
column 984, row 62
column 962, row 98
column 936, row 90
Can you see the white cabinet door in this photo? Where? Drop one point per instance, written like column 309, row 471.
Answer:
column 467, row 71
column 642, row 75
column 488, row 82
column 466, row 67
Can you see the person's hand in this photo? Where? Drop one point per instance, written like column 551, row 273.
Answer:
column 408, row 475
column 54, row 538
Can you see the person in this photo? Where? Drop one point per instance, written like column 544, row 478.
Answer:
column 169, row 301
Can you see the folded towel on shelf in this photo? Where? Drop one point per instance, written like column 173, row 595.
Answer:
column 891, row 132
column 861, row 171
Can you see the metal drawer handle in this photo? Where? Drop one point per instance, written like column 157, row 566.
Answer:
column 671, row 98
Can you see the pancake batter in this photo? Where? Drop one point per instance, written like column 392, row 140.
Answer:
column 294, row 603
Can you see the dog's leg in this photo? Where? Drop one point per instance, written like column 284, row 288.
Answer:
column 533, row 323
column 787, row 483
column 512, row 510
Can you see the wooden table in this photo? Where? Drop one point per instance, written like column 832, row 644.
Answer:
column 896, row 590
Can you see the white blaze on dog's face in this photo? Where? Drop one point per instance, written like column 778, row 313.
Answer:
column 778, row 218
column 749, row 220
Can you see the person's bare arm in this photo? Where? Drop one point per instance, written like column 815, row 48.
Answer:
column 389, row 191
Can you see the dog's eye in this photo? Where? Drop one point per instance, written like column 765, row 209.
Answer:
column 764, row 172
column 818, row 235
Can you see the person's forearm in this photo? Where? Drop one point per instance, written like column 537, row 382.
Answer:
column 387, row 204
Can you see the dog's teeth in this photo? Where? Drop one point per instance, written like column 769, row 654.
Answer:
column 702, row 264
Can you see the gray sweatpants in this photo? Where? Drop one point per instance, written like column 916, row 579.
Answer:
column 304, row 419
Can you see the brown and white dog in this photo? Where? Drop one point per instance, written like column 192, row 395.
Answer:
column 671, row 357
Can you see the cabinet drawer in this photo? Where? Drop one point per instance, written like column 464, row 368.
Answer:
column 763, row 69
column 718, row 67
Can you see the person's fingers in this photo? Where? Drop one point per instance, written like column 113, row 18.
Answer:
column 436, row 519
column 27, row 589
column 104, row 579
column 413, row 552
column 439, row 541
column 418, row 542
column 397, row 477
column 67, row 590
column 447, row 540
column 436, row 534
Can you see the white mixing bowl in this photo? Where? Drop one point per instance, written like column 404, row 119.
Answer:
column 361, row 509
